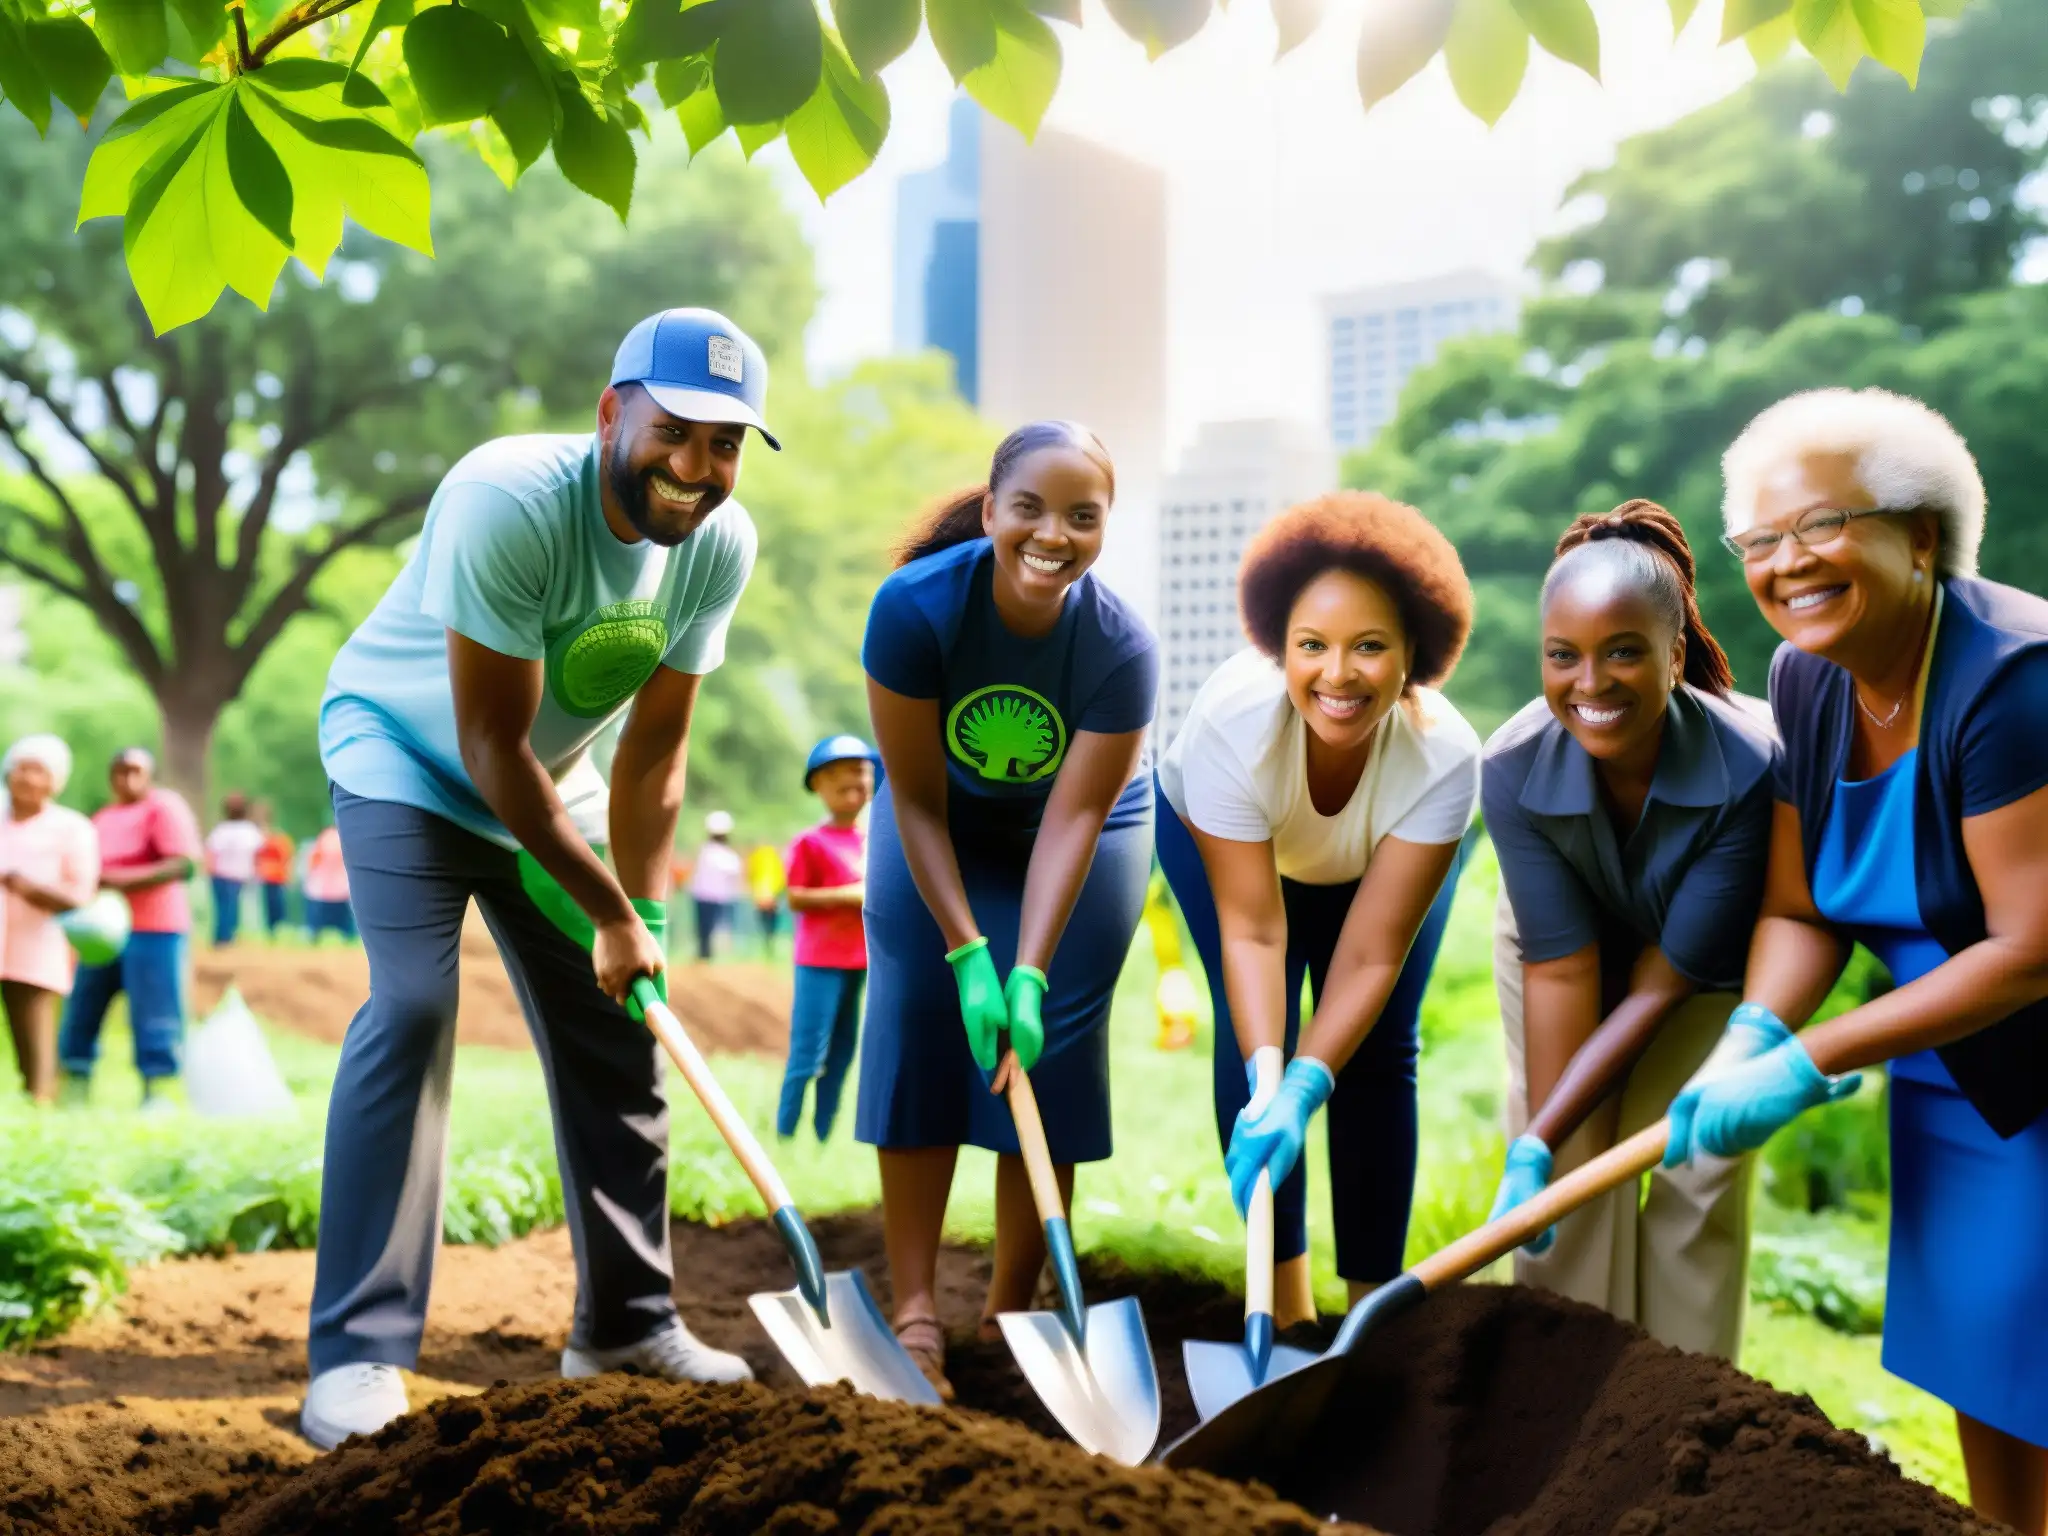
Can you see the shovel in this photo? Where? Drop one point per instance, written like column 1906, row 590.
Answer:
column 1091, row 1366
column 1219, row 1374
column 829, row 1328
column 1264, row 1434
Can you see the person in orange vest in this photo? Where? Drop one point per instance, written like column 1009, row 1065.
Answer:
column 273, row 869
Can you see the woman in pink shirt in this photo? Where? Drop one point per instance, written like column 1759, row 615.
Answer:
column 326, row 888
column 49, row 863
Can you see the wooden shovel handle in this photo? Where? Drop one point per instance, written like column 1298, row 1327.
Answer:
column 1045, row 1186
column 1610, row 1170
column 682, row 1050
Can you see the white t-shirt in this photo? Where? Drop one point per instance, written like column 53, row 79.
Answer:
column 231, row 850
column 719, row 875
column 1239, row 770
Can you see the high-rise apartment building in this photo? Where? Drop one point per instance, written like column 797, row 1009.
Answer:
column 1237, row 475
column 1056, row 250
column 1376, row 337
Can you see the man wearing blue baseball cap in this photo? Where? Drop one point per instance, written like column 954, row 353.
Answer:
column 559, row 583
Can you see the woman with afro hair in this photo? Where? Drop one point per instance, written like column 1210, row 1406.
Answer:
column 1320, row 791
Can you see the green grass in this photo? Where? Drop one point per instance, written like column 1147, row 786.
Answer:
column 107, row 1182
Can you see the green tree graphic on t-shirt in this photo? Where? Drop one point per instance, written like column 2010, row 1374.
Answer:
column 1009, row 734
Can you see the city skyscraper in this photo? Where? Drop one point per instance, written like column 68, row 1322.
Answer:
column 1056, row 249
column 1376, row 337
column 1237, row 475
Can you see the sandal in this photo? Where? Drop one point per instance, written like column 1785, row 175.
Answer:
column 925, row 1342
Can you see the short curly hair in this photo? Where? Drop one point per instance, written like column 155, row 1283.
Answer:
column 1388, row 543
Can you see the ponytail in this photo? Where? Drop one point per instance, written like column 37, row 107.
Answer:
column 1664, row 569
column 957, row 519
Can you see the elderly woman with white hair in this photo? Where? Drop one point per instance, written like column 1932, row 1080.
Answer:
column 1912, row 816
column 49, row 863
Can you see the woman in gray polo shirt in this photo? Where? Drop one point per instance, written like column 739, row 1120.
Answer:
column 1631, row 810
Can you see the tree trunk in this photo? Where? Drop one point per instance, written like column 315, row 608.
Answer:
column 188, row 739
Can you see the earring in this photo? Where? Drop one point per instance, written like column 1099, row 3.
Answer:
column 1918, row 574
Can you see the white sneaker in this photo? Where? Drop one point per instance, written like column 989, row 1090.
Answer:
column 351, row 1400
column 673, row 1354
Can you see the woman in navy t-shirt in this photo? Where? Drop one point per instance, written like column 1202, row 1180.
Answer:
column 1009, row 851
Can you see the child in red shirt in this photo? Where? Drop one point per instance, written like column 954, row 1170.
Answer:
column 827, row 883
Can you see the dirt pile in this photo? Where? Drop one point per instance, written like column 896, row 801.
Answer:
column 1505, row 1411
column 736, row 1006
column 625, row 1456
column 1489, row 1411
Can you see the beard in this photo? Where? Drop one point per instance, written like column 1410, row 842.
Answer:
column 630, row 489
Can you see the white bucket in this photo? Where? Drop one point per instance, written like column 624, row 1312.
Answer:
column 229, row 1070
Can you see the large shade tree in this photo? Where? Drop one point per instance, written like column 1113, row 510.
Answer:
column 190, row 490
column 256, row 124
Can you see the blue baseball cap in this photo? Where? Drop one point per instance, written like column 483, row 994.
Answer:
column 697, row 365
column 838, row 749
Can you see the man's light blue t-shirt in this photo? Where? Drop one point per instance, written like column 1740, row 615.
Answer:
column 516, row 555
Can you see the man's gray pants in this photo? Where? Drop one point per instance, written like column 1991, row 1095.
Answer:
column 411, row 878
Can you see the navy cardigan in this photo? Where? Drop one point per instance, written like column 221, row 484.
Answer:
column 1985, row 629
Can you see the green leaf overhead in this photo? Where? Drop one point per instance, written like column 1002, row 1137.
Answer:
column 770, row 56
column 1017, row 84
column 964, row 32
column 1739, row 17
column 196, row 27
column 677, row 80
column 1398, row 38
column 755, row 137
column 877, row 32
column 21, row 83
column 383, row 16
column 528, row 110
column 837, row 133
column 137, row 33
column 1682, row 14
column 68, row 55
column 1487, row 52
column 1770, row 42
column 257, row 175
column 138, row 136
column 666, row 29
column 703, row 120
column 1159, row 24
column 461, row 62
column 1565, row 29
column 1895, row 31
column 595, row 152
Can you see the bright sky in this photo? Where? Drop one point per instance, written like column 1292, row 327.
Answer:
column 1279, row 187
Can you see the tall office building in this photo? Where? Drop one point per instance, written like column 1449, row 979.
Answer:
column 1237, row 475
column 938, row 231
column 1056, row 249
column 1378, row 336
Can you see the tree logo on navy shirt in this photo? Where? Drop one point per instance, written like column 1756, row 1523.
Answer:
column 605, row 660
column 1007, row 734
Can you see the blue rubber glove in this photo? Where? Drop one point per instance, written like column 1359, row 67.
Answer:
column 1528, row 1170
column 1272, row 1139
column 982, row 1009
column 1738, row 1110
column 1752, row 1029
column 1024, row 998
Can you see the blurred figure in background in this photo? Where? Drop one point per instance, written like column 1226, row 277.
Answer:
column 1174, row 997
column 326, row 889
column 149, row 847
column 49, row 863
column 717, row 882
column 828, row 874
column 765, row 885
column 274, row 870
column 231, row 849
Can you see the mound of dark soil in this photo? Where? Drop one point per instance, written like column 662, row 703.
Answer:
column 620, row 1456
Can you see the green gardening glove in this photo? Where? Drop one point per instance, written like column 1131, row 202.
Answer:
column 982, row 1008
column 1025, row 995
column 560, row 908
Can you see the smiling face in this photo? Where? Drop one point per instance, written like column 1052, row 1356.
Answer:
column 1045, row 521
column 1347, row 659
column 1610, row 661
column 845, row 787
column 663, row 475
column 1838, row 597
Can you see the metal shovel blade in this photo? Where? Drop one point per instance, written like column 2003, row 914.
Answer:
column 1104, row 1392
column 859, row 1348
column 1220, row 1374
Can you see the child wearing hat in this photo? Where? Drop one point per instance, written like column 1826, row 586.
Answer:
column 828, row 869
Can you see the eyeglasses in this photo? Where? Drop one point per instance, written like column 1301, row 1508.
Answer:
column 1811, row 530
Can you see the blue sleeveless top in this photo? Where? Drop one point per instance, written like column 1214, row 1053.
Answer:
column 1863, row 882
